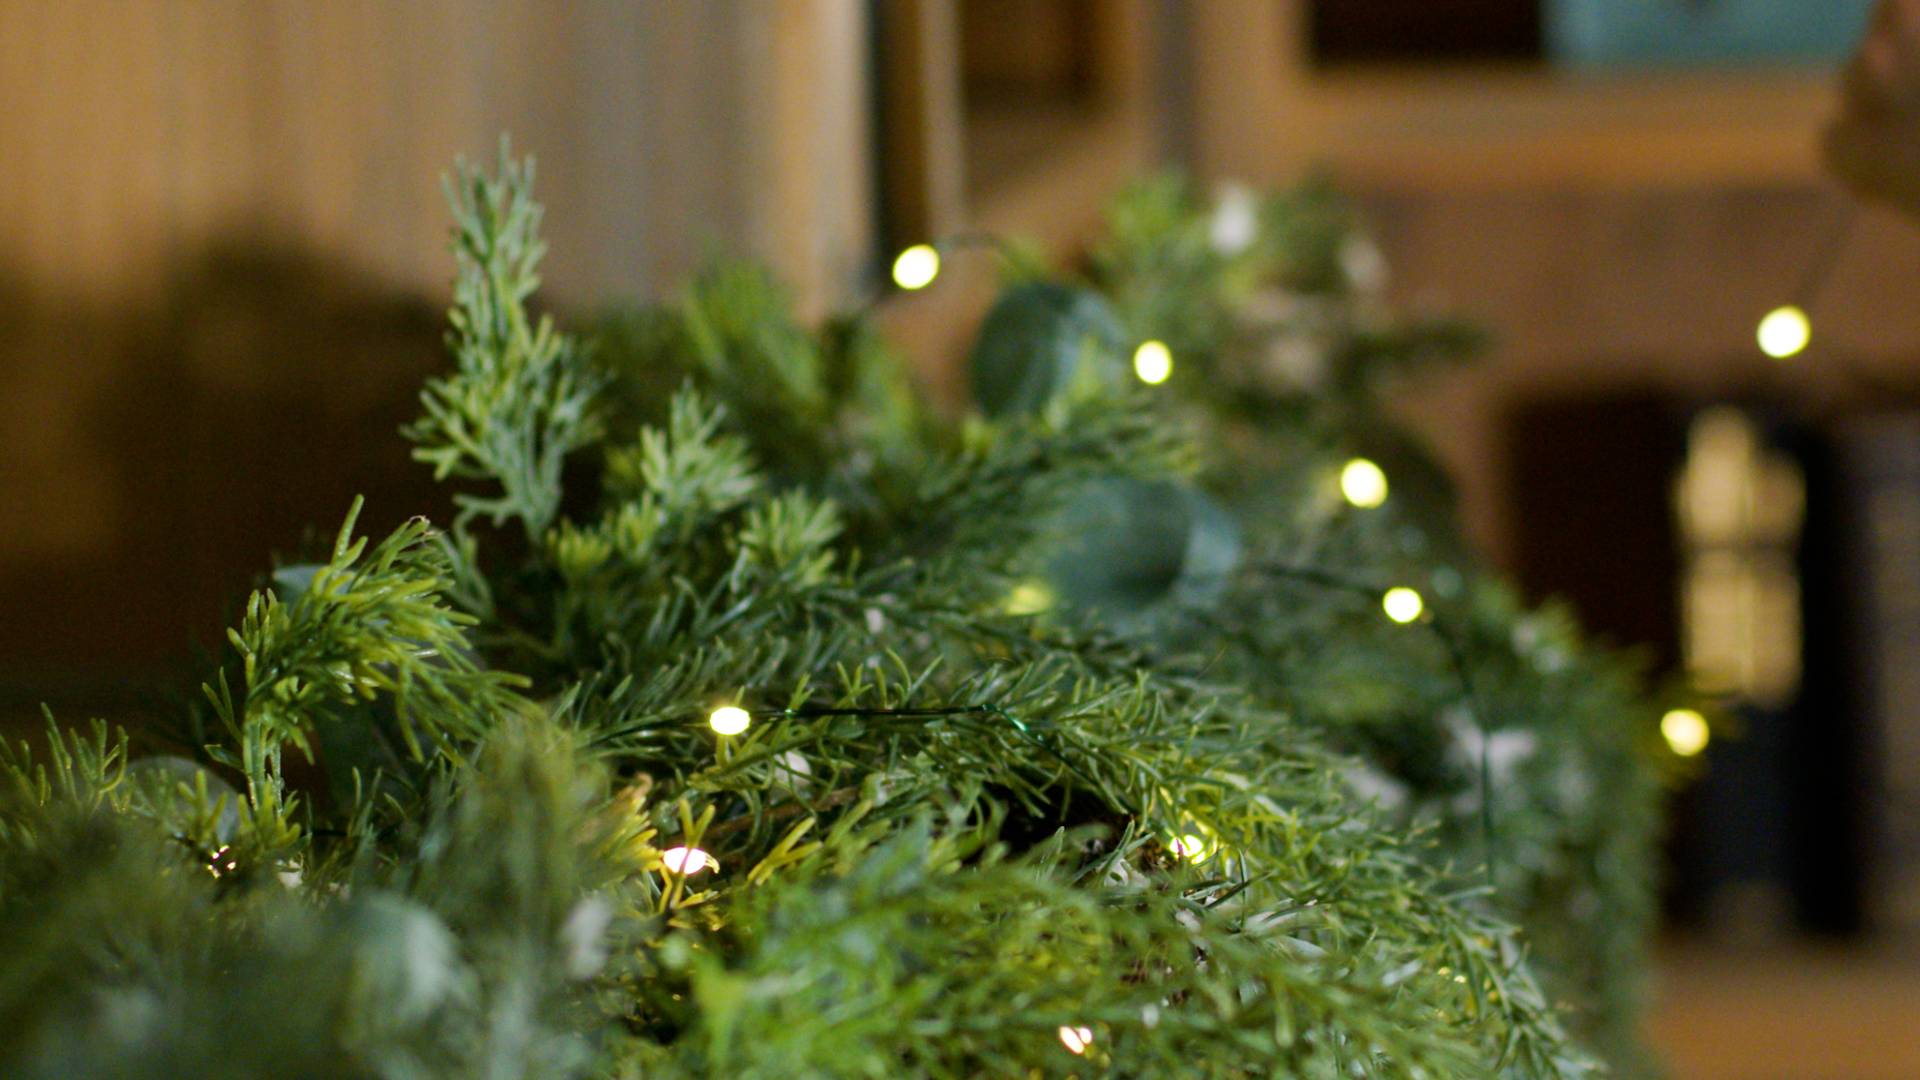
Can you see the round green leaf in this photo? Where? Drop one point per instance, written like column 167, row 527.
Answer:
column 1038, row 338
column 1133, row 545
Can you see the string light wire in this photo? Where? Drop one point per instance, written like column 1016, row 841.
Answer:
column 1786, row 331
column 1457, row 660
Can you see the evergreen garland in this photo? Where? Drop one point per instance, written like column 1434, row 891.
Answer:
column 714, row 737
column 1273, row 307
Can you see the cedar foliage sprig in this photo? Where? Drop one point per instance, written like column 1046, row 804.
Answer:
column 518, row 401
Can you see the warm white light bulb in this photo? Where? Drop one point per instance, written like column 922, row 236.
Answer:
column 1076, row 1039
column 1191, row 847
column 1363, row 483
column 916, row 267
column 688, row 860
column 729, row 720
column 1402, row 604
column 1785, row 332
column 1686, row 732
column 1153, row 362
column 1029, row 598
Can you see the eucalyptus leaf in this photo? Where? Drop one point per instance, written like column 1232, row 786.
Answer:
column 1037, row 340
column 1131, row 545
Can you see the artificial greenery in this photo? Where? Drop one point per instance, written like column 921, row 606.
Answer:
column 963, row 833
column 1530, row 751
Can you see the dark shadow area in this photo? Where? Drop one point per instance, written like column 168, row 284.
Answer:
column 1784, row 822
column 1430, row 32
column 237, row 418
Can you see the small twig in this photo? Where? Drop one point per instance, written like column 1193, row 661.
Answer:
column 830, row 801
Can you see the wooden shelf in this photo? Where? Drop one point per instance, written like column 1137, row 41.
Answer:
column 1513, row 127
column 1264, row 113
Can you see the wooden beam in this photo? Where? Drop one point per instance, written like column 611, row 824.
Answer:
column 925, row 174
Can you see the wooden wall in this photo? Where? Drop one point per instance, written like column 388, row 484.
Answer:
column 222, row 247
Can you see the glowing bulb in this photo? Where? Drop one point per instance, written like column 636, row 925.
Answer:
column 1362, row 482
column 1076, row 1039
column 1029, row 598
column 1153, row 362
column 222, row 862
column 1785, row 332
column 1402, row 604
column 1686, row 732
column 916, row 267
column 1193, row 847
column 729, row 720
column 688, row 860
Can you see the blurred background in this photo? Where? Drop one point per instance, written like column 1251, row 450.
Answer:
column 222, row 267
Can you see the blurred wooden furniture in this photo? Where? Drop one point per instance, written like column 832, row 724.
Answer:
column 1013, row 118
column 1788, row 1012
column 1263, row 110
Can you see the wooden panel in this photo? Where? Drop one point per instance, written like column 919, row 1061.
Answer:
column 1022, row 49
column 812, row 145
column 1509, row 129
column 222, row 241
column 924, row 156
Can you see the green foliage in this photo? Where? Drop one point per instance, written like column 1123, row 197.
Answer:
column 517, row 404
column 1039, row 339
column 1288, row 362
column 446, row 951
column 366, row 628
column 952, row 839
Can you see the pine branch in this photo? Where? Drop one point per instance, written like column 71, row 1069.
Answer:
column 369, row 624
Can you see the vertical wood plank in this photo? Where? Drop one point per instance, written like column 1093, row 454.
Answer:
column 925, row 116
column 1247, row 63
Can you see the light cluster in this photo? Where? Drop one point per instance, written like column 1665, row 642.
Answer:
column 1153, row 362
column 688, row 860
column 1363, row 483
column 1076, row 1038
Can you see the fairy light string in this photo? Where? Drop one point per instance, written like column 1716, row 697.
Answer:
column 1787, row 331
column 1813, row 281
column 724, row 720
column 1320, row 577
column 920, row 265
